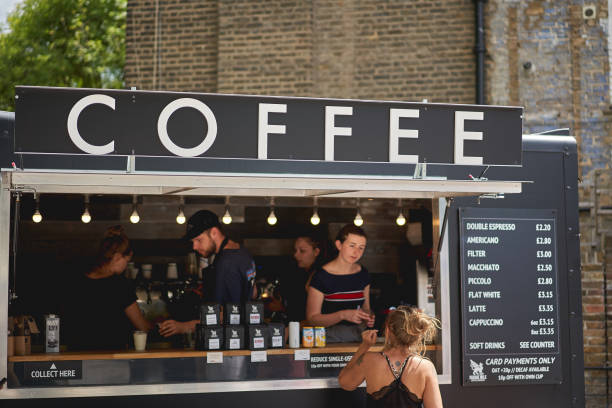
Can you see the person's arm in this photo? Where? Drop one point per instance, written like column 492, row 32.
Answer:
column 135, row 315
column 366, row 306
column 170, row 327
column 353, row 373
column 316, row 318
column 431, row 395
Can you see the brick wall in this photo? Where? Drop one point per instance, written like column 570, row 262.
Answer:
column 543, row 55
column 383, row 49
column 172, row 45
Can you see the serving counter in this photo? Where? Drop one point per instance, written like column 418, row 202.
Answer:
column 159, row 366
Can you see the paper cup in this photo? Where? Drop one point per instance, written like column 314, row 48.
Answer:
column 140, row 340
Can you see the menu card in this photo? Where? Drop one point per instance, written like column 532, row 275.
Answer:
column 510, row 302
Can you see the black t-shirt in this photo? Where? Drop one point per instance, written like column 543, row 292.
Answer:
column 341, row 292
column 94, row 318
column 235, row 276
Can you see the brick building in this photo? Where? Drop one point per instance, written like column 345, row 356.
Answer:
column 550, row 57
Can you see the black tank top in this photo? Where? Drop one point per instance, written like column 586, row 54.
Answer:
column 396, row 394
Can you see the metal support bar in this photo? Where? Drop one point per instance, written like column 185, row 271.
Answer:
column 5, row 229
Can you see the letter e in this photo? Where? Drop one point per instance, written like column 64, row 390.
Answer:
column 461, row 136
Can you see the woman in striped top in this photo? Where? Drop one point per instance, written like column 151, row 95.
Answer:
column 339, row 293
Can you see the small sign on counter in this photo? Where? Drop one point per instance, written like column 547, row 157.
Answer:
column 301, row 355
column 46, row 371
column 214, row 357
column 259, row 356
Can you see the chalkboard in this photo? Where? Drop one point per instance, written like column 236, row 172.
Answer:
column 510, row 298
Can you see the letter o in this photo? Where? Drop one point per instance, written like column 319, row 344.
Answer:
column 162, row 127
column 73, row 118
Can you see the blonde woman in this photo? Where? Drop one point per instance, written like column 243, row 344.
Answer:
column 400, row 375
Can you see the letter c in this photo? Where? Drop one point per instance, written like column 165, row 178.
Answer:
column 73, row 118
column 162, row 127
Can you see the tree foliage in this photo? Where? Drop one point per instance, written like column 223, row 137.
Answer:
column 75, row 43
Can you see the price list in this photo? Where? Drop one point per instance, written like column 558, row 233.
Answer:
column 509, row 294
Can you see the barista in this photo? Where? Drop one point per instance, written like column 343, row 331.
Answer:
column 307, row 254
column 339, row 292
column 102, row 308
column 233, row 267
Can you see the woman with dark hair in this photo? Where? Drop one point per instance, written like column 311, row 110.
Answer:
column 103, row 308
column 400, row 375
column 307, row 254
column 339, row 292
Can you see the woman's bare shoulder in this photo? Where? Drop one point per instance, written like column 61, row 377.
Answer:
column 424, row 365
column 372, row 357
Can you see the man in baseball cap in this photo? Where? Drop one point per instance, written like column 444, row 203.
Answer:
column 233, row 269
column 204, row 231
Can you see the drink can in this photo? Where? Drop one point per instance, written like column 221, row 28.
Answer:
column 307, row 336
column 52, row 338
column 319, row 333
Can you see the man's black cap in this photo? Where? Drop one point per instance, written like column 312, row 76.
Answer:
column 200, row 222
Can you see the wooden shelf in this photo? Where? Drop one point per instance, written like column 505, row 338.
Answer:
column 180, row 353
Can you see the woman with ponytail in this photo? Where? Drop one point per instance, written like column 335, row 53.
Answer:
column 103, row 308
column 400, row 375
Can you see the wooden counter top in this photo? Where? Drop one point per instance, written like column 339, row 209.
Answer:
column 180, row 353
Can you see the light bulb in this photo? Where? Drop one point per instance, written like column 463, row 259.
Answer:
column 400, row 220
column 37, row 216
column 86, row 217
column 272, row 217
column 315, row 220
column 227, row 217
column 134, row 218
column 358, row 221
column 180, row 218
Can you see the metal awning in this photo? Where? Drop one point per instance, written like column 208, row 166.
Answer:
column 147, row 183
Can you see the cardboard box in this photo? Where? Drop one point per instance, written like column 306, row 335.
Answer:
column 258, row 337
column 234, row 338
column 210, row 314
column 254, row 313
column 213, row 338
column 276, row 335
column 232, row 314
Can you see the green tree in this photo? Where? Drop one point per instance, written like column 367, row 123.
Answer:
column 74, row 43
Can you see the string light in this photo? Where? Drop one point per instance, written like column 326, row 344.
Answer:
column 400, row 220
column 134, row 218
column 37, row 216
column 315, row 219
column 272, row 220
column 227, row 217
column 86, row 217
column 180, row 218
column 358, row 221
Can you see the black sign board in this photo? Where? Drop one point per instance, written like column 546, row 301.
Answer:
column 145, row 123
column 510, row 299
column 42, row 372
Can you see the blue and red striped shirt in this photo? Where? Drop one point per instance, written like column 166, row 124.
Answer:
column 341, row 291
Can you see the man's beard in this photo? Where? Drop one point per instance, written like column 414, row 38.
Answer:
column 212, row 249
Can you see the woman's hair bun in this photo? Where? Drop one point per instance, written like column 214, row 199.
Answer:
column 114, row 241
column 410, row 327
column 114, row 231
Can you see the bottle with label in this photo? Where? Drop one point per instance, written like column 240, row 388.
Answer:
column 52, row 326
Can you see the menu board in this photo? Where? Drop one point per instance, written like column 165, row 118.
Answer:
column 510, row 297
